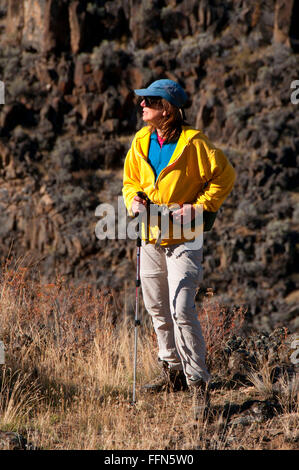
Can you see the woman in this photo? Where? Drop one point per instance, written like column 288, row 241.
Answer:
column 172, row 163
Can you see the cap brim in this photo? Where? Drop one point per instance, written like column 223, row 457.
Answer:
column 146, row 92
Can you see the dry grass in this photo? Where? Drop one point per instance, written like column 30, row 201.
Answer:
column 67, row 381
column 217, row 325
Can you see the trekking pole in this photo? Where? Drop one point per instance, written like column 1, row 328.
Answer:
column 137, row 321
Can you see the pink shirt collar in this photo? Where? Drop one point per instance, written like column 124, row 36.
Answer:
column 160, row 140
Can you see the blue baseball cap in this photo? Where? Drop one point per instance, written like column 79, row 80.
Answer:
column 167, row 89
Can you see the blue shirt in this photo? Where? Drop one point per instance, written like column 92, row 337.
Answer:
column 159, row 157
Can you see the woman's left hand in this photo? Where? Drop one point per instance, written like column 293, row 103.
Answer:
column 184, row 215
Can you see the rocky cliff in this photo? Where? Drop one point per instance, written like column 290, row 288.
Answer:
column 69, row 69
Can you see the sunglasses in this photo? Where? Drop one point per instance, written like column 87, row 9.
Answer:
column 151, row 101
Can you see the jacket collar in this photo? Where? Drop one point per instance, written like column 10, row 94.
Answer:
column 144, row 135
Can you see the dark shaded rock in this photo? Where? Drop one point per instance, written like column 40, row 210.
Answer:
column 284, row 11
column 17, row 114
column 12, row 441
column 253, row 411
column 145, row 21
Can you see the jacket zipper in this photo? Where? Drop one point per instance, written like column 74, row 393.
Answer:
column 169, row 166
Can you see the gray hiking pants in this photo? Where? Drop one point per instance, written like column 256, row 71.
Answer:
column 170, row 277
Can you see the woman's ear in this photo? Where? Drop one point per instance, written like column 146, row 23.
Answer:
column 164, row 113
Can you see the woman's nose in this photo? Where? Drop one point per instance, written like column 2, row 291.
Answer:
column 143, row 104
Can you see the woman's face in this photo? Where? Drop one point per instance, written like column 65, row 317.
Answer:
column 152, row 110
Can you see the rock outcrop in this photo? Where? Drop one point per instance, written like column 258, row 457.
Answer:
column 70, row 67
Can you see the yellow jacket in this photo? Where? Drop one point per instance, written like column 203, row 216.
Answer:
column 197, row 173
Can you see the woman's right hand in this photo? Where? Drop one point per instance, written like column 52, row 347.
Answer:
column 138, row 205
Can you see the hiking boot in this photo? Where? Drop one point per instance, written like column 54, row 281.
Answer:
column 200, row 394
column 169, row 380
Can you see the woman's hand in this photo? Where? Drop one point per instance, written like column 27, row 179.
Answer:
column 184, row 215
column 138, row 205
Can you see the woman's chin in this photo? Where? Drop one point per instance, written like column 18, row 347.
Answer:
column 148, row 120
